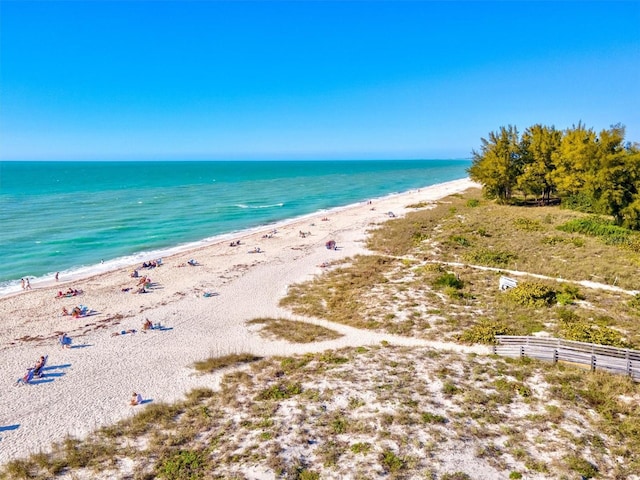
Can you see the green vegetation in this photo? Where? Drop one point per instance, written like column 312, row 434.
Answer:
column 498, row 408
column 532, row 294
column 294, row 331
column 217, row 363
column 595, row 173
column 184, row 465
column 409, row 288
column 602, row 228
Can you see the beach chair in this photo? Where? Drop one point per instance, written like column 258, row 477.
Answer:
column 64, row 341
column 27, row 378
column 37, row 372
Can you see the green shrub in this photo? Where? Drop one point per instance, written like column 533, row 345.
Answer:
column 532, row 294
column 391, row 462
column 490, row 258
column 515, row 475
column 581, row 331
column 527, row 224
column 184, row 465
column 339, row 424
column 606, row 230
column 361, row 448
column 580, row 202
column 428, row 417
column 485, row 331
column 581, row 466
column 449, row 389
column 280, row 391
column 552, row 240
column 308, row 475
column 472, row 203
column 448, row 280
column 455, row 476
column 568, row 295
column 460, row 240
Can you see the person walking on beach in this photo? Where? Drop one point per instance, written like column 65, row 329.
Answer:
column 23, row 284
column 57, row 276
column 27, row 285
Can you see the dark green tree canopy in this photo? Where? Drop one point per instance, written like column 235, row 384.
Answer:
column 597, row 172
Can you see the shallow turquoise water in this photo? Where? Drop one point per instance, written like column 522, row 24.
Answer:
column 69, row 216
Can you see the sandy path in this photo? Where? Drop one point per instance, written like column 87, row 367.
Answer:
column 518, row 273
column 90, row 385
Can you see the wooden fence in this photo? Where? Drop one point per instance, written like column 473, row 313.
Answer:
column 612, row 359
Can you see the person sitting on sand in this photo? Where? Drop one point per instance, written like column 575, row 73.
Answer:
column 75, row 313
column 60, row 294
column 39, row 364
column 134, row 274
column 123, row 332
column 65, row 312
column 65, row 341
column 136, row 399
column 147, row 325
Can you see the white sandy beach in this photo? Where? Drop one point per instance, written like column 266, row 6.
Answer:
column 89, row 386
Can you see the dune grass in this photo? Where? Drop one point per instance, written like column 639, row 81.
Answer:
column 217, row 363
column 294, row 331
column 407, row 288
column 362, row 412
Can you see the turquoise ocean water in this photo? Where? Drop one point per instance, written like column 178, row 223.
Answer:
column 73, row 216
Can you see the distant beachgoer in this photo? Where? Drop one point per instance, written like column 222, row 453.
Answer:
column 37, row 369
column 136, row 399
column 65, row 311
column 65, row 341
column 27, row 285
column 123, row 332
column 57, row 276
column 22, row 282
column 147, row 325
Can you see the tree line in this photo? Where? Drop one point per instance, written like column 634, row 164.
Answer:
column 588, row 171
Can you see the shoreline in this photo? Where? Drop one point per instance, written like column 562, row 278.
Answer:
column 89, row 386
column 84, row 272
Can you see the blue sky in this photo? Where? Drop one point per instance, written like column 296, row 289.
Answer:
column 307, row 80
